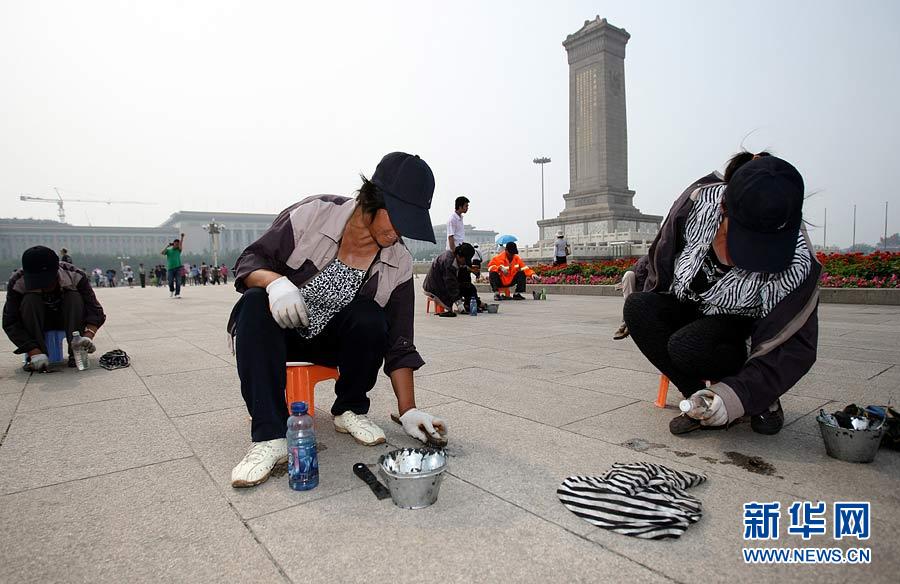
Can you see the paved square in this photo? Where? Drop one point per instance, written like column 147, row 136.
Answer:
column 124, row 475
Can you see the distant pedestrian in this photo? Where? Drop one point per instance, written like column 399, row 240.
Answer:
column 142, row 274
column 128, row 274
column 173, row 266
column 561, row 250
column 632, row 281
column 111, row 278
column 456, row 228
column 223, row 271
column 64, row 256
column 204, row 273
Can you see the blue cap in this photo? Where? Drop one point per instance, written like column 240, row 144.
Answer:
column 299, row 408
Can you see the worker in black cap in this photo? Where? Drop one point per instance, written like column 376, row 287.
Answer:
column 331, row 282
column 444, row 284
column 47, row 294
column 732, row 267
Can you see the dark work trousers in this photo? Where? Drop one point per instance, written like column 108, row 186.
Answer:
column 686, row 346
column 354, row 341
column 466, row 289
column 518, row 281
column 37, row 318
column 143, row 280
column 175, row 282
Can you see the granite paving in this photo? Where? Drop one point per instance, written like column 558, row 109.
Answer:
column 124, row 476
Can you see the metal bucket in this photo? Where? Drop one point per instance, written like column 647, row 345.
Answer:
column 413, row 475
column 493, row 308
column 850, row 445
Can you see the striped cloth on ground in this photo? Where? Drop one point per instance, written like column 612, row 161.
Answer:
column 640, row 499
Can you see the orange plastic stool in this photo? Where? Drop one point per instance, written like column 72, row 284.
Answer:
column 662, row 392
column 437, row 306
column 302, row 378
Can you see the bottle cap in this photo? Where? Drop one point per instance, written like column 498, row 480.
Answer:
column 685, row 405
column 299, row 408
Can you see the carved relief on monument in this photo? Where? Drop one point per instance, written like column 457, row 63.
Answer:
column 614, row 82
column 601, row 227
column 586, row 96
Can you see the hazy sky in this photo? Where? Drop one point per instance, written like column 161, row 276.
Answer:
column 249, row 106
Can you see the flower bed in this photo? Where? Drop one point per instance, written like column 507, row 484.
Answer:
column 839, row 270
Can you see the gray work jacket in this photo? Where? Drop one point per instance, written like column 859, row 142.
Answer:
column 305, row 238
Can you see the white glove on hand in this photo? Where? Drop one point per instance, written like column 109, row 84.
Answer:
column 286, row 304
column 504, row 269
column 416, row 423
column 716, row 415
column 84, row 343
column 40, row 362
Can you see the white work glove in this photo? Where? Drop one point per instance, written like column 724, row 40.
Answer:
column 536, row 278
column 40, row 362
column 416, row 423
column 84, row 343
column 287, row 304
column 716, row 415
column 504, row 269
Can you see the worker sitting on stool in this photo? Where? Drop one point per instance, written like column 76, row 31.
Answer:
column 443, row 281
column 46, row 294
column 331, row 282
column 507, row 268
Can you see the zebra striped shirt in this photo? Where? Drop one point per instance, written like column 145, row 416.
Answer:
column 639, row 499
column 737, row 292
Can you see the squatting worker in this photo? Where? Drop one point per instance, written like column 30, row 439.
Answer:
column 732, row 263
column 442, row 281
column 506, row 269
column 331, row 282
column 46, row 294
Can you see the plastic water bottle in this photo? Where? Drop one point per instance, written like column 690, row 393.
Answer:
column 695, row 406
column 473, row 307
column 81, row 357
column 303, row 462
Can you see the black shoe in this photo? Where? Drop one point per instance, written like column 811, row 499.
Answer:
column 447, row 314
column 518, row 296
column 71, row 361
column 497, row 297
column 683, row 424
column 768, row 422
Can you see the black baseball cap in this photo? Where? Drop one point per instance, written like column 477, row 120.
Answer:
column 408, row 185
column 41, row 267
column 466, row 251
column 764, row 201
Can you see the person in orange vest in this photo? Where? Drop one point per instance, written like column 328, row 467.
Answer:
column 506, row 269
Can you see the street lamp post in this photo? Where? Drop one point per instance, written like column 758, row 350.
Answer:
column 542, row 161
column 214, row 229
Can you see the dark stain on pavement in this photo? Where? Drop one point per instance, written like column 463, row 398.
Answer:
column 754, row 464
column 641, row 445
column 681, row 454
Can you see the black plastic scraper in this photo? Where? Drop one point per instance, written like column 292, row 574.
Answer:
column 363, row 472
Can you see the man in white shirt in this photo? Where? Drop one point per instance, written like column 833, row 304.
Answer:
column 456, row 229
column 456, row 236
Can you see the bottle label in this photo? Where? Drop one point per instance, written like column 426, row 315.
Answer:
column 303, row 462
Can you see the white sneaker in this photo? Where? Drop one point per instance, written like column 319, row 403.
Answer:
column 171, row 294
column 363, row 430
column 178, row 297
column 259, row 462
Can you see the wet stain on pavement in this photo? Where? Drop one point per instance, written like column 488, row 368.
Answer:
column 754, row 464
column 681, row 454
column 710, row 459
column 640, row 445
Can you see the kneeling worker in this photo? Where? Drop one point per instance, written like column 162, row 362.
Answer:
column 507, row 268
column 443, row 282
column 46, row 294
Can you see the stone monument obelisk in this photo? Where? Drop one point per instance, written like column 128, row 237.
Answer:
column 599, row 206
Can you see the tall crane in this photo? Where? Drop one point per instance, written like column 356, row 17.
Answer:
column 62, row 211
